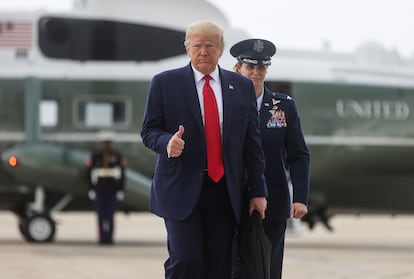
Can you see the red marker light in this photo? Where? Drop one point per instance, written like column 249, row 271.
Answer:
column 12, row 161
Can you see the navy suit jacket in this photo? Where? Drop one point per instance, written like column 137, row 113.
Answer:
column 177, row 182
column 285, row 149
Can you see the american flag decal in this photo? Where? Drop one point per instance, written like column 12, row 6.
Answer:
column 16, row 34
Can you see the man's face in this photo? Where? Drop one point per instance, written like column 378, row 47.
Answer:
column 204, row 52
column 257, row 73
column 106, row 145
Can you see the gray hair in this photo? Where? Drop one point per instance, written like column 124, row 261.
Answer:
column 204, row 27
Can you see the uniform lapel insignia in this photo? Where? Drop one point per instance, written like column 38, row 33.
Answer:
column 275, row 102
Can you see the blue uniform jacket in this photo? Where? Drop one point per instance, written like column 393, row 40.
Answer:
column 284, row 149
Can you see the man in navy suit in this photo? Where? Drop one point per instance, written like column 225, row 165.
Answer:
column 283, row 145
column 201, row 212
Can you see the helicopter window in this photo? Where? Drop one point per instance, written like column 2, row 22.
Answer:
column 106, row 40
column 101, row 113
column 48, row 113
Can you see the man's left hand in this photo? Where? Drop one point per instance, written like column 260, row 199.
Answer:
column 259, row 204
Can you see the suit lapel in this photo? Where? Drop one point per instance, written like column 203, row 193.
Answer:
column 228, row 92
column 192, row 97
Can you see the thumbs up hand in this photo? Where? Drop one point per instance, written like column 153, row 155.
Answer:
column 175, row 145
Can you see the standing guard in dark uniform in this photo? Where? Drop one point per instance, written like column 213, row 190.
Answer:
column 106, row 179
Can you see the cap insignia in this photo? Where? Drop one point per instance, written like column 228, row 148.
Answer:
column 258, row 46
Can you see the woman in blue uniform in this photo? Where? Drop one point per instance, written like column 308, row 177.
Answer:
column 283, row 145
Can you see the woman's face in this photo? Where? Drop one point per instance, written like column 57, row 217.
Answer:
column 257, row 73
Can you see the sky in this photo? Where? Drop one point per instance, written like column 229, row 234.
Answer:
column 344, row 25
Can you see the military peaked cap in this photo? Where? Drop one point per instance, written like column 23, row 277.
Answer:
column 254, row 51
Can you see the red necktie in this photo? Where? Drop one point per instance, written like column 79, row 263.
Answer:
column 215, row 165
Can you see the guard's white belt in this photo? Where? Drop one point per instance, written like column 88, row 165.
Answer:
column 97, row 173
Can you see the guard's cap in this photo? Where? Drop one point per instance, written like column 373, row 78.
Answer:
column 106, row 136
column 254, row 51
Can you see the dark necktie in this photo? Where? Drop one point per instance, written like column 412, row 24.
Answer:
column 215, row 165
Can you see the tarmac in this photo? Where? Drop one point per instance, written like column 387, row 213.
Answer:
column 364, row 247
